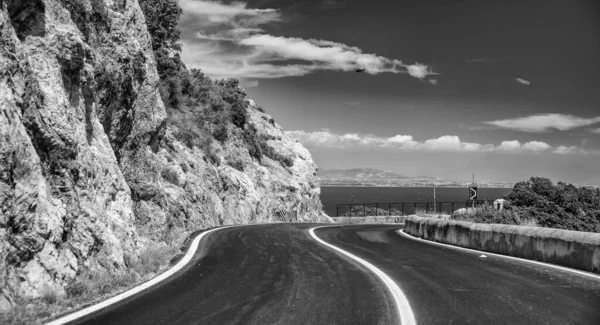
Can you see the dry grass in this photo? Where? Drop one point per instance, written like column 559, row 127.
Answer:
column 152, row 258
column 89, row 287
column 487, row 214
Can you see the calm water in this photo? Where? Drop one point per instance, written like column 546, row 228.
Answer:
column 330, row 196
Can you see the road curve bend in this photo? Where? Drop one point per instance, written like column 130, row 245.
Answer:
column 281, row 274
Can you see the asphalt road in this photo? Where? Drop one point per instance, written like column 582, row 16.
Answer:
column 278, row 274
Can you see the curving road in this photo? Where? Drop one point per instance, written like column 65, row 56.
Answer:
column 279, row 274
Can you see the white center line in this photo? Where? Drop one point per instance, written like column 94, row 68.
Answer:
column 404, row 311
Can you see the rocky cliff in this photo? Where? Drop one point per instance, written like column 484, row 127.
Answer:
column 90, row 171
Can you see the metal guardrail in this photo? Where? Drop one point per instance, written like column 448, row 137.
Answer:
column 435, row 207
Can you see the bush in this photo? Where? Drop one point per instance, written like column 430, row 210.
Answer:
column 237, row 164
column 152, row 258
column 77, row 288
column 540, row 202
column 221, row 133
column 49, row 295
column 268, row 151
column 250, row 137
column 260, row 109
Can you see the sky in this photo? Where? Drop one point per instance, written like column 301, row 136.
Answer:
column 505, row 89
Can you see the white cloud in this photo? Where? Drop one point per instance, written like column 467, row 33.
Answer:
column 232, row 43
column 536, row 146
column 566, row 150
column 523, row 81
column 446, row 143
column 251, row 84
column 597, row 131
column 544, row 122
column 218, row 13
column 509, row 145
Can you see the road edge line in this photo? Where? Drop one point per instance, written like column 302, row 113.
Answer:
column 401, row 232
column 139, row 288
column 405, row 313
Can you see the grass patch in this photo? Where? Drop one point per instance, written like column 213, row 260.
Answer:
column 88, row 287
column 487, row 214
column 152, row 258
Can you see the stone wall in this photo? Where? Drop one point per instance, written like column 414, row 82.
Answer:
column 574, row 249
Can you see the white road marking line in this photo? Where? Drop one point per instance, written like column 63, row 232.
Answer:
column 183, row 262
column 404, row 311
column 562, row 268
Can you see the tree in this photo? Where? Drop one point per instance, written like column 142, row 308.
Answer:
column 162, row 17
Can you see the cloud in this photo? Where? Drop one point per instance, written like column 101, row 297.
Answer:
column 446, row 143
column 597, row 131
column 211, row 13
column 544, row 122
column 523, row 81
column 353, row 103
column 251, row 84
column 227, row 40
column 565, row 150
column 509, row 145
column 536, row 146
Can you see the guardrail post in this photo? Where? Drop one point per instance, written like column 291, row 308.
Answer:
column 364, row 210
column 337, row 210
column 376, row 209
column 390, row 210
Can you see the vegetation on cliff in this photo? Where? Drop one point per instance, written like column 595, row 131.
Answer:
column 201, row 110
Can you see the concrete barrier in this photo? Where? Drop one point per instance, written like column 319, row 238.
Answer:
column 369, row 219
column 580, row 250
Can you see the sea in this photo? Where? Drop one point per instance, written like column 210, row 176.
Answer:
column 332, row 196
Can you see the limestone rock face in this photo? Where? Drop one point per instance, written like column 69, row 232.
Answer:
column 90, row 172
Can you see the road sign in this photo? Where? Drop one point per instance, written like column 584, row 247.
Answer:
column 473, row 193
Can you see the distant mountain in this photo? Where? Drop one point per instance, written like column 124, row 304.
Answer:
column 364, row 174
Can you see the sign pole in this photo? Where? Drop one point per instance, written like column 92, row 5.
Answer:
column 434, row 199
column 473, row 185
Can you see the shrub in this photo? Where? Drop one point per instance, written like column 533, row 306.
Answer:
column 221, row 133
column 267, row 150
column 237, row 164
column 77, row 288
column 152, row 258
column 260, row 109
column 49, row 295
column 558, row 206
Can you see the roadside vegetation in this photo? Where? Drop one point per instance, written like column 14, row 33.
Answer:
column 539, row 202
column 90, row 286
